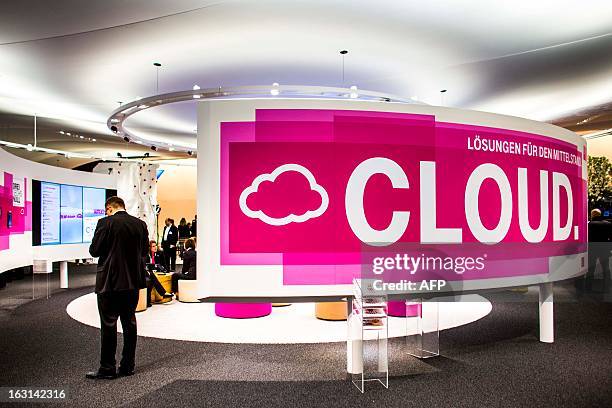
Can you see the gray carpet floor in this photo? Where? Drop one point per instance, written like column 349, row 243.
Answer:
column 497, row 361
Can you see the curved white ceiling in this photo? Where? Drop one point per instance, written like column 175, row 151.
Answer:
column 76, row 60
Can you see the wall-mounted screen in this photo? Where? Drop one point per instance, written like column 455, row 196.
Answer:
column 93, row 210
column 69, row 214
column 49, row 213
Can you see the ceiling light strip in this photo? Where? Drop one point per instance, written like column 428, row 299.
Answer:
column 117, row 118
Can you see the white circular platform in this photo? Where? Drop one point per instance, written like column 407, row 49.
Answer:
column 286, row 325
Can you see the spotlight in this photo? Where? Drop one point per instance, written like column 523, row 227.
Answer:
column 113, row 128
column 61, row 132
column 196, row 96
column 146, row 154
column 126, row 139
column 93, row 140
column 190, row 152
column 443, row 90
column 153, row 148
column 119, row 154
column 81, row 137
column 343, row 52
column 157, row 64
column 68, row 134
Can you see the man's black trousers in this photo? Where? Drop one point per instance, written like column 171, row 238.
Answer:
column 113, row 306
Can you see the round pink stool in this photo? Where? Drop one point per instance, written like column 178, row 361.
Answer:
column 242, row 310
column 398, row 308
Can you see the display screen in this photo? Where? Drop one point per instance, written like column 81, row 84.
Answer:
column 49, row 213
column 69, row 214
column 93, row 210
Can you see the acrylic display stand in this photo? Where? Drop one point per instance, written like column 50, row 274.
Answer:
column 368, row 331
column 423, row 330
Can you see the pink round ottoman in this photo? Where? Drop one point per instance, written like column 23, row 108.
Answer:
column 242, row 310
column 399, row 308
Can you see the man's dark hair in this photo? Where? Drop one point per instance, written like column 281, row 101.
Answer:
column 115, row 202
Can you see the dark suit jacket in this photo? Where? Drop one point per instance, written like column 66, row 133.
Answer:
column 121, row 242
column 172, row 236
column 189, row 264
column 600, row 230
column 184, row 232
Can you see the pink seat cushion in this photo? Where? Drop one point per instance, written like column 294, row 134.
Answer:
column 242, row 310
column 398, row 308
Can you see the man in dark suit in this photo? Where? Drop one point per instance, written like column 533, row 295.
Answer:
column 194, row 226
column 169, row 241
column 600, row 244
column 121, row 243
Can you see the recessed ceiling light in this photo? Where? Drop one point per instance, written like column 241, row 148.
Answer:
column 114, row 120
column 68, row 133
column 61, row 132
column 275, row 91
column 195, row 88
column 354, row 93
column 93, row 140
column 81, row 137
column 143, row 106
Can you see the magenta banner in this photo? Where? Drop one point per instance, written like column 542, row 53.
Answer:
column 15, row 210
column 326, row 192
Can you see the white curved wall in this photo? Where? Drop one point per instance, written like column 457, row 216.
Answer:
column 265, row 278
column 21, row 252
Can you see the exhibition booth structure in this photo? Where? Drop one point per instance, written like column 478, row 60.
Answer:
column 380, row 209
column 383, row 212
column 312, row 198
column 48, row 214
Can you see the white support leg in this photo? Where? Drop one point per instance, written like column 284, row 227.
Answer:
column 64, row 275
column 547, row 321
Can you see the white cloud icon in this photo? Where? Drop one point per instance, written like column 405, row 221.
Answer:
column 291, row 217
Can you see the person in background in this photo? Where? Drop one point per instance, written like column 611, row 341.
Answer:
column 121, row 243
column 189, row 264
column 183, row 229
column 169, row 241
column 194, row 226
column 600, row 244
column 155, row 257
column 155, row 262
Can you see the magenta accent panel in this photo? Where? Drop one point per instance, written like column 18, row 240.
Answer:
column 242, row 310
column 21, row 216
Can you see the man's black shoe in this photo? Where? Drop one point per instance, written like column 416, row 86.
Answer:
column 125, row 373
column 100, row 375
column 168, row 295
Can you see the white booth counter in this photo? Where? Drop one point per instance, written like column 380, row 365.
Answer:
column 16, row 243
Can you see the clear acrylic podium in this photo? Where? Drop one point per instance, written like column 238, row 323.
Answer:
column 368, row 332
column 422, row 330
